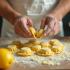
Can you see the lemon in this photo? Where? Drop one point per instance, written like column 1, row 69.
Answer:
column 6, row 58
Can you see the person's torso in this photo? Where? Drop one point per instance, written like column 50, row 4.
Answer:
column 32, row 6
column 35, row 9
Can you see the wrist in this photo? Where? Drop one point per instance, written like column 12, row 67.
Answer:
column 15, row 17
column 56, row 15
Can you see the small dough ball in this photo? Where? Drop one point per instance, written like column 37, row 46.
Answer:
column 18, row 44
column 35, row 42
column 24, row 52
column 13, row 48
column 40, row 33
column 45, row 52
column 36, row 48
column 57, row 48
column 45, row 44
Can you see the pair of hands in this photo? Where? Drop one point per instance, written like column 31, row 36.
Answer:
column 49, row 24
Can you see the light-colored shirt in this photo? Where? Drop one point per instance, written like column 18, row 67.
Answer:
column 35, row 9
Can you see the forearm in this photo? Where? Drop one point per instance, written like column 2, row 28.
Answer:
column 61, row 9
column 7, row 11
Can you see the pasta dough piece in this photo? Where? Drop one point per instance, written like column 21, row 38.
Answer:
column 45, row 44
column 36, row 48
column 40, row 33
column 28, row 45
column 31, row 43
column 13, row 48
column 33, row 31
column 57, row 48
column 54, row 42
column 35, row 42
column 45, row 52
column 24, row 52
column 17, row 43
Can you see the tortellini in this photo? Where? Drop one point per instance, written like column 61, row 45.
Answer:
column 57, row 46
column 41, row 48
column 25, row 51
column 45, row 52
column 36, row 48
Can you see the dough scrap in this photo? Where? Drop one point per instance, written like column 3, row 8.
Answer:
column 45, row 44
column 45, row 52
column 13, row 48
column 36, row 48
column 39, row 34
column 25, row 51
column 18, row 44
column 57, row 46
column 35, row 42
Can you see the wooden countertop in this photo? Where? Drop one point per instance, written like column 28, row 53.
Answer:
column 65, row 65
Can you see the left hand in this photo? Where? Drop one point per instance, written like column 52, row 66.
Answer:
column 22, row 26
column 50, row 25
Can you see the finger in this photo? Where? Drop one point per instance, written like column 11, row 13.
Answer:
column 21, row 33
column 25, row 27
column 51, row 33
column 29, row 21
column 42, row 23
column 56, row 29
column 20, row 26
column 46, row 27
column 18, row 32
column 46, row 32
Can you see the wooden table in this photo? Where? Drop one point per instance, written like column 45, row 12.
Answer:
column 64, row 65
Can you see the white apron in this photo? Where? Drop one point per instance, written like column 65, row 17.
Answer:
column 35, row 9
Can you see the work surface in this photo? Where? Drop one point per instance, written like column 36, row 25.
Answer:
column 21, row 66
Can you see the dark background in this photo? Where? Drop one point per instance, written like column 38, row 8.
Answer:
column 66, row 24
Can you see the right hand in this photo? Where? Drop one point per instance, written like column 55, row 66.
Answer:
column 22, row 27
column 51, row 25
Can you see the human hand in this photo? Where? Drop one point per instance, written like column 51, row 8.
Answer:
column 51, row 25
column 22, row 26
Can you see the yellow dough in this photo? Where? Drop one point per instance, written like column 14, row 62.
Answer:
column 54, row 42
column 24, row 52
column 13, row 48
column 36, row 48
column 28, row 44
column 40, row 33
column 35, row 42
column 33, row 31
column 57, row 46
column 17, row 43
column 45, row 52
column 45, row 44
column 51, row 47
column 31, row 43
